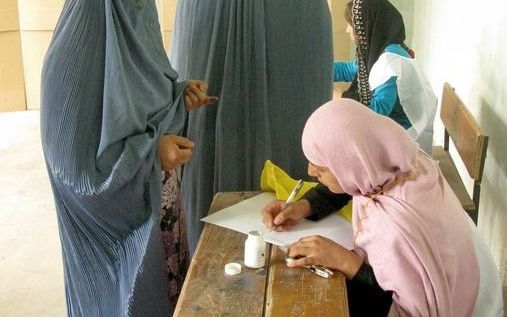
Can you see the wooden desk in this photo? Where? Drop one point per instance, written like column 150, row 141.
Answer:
column 275, row 290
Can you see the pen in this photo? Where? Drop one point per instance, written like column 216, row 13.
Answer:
column 320, row 271
column 315, row 269
column 291, row 197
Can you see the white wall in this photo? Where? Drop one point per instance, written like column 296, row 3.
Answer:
column 406, row 7
column 166, row 10
column 464, row 43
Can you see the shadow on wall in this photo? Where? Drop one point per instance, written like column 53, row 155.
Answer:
column 492, row 184
column 493, row 125
column 492, row 97
column 504, row 300
column 495, row 198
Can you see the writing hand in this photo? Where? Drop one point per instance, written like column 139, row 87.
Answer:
column 276, row 216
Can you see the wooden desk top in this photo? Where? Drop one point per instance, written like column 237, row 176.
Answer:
column 275, row 290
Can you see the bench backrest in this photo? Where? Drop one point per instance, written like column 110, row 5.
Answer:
column 464, row 131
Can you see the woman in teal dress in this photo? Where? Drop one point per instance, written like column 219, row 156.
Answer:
column 385, row 76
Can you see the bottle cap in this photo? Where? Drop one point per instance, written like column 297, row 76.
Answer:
column 232, row 268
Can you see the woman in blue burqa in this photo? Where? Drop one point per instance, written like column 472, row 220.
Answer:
column 110, row 117
column 270, row 62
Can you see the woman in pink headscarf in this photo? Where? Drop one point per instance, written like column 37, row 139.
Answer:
column 414, row 245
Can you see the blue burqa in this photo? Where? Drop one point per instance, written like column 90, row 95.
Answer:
column 270, row 62
column 108, row 94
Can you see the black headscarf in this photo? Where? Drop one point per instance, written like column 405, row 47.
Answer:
column 376, row 23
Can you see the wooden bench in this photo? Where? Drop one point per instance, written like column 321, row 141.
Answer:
column 470, row 144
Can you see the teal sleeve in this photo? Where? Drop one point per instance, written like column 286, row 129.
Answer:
column 345, row 71
column 397, row 49
column 384, row 97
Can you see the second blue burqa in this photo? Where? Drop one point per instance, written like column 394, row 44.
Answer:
column 270, row 62
column 108, row 94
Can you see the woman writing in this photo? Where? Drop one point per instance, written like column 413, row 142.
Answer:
column 385, row 78
column 416, row 251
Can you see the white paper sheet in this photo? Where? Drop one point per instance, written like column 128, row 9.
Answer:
column 246, row 216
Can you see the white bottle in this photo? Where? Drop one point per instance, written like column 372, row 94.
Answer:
column 255, row 248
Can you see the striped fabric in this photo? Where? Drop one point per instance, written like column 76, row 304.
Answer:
column 271, row 64
column 108, row 94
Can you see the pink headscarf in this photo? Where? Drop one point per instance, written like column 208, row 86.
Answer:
column 408, row 224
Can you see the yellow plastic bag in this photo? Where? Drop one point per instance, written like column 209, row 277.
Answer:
column 274, row 179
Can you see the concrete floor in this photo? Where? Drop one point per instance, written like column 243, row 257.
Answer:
column 31, row 277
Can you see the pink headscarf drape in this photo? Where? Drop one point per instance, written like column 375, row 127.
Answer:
column 408, row 224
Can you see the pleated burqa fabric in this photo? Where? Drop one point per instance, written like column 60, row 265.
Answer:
column 270, row 62
column 108, row 94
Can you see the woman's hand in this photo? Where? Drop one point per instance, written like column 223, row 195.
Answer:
column 174, row 151
column 274, row 216
column 322, row 251
column 196, row 95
